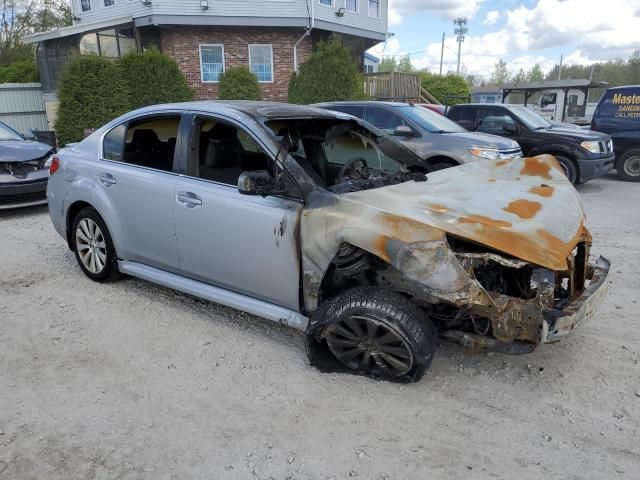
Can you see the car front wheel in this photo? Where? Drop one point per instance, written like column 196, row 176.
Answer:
column 569, row 168
column 628, row 166
column 93, row 246
column 373, row 332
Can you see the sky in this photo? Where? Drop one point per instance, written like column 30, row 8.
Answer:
column 521, row 32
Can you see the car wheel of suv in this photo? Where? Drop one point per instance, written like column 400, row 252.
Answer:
column 93, row 246
column 628, row 166
column 374, row 332
column 569, row 168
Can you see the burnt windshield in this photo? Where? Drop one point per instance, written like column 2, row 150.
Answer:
column 337, row 151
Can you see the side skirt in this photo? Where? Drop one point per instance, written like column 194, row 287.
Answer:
column 215, row 294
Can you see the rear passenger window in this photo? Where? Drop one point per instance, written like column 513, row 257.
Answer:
column 151, row 142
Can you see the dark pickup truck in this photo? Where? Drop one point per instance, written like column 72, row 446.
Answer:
column 583, row 154
column 618, row 114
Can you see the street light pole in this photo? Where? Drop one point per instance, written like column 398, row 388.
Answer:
column 460, row 31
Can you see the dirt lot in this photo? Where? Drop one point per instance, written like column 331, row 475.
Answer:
column 133, row 381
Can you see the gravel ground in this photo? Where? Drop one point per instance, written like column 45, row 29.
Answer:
column 131, row 381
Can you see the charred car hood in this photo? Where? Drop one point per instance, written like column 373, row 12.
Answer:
column 22, row 151
column 524, row 207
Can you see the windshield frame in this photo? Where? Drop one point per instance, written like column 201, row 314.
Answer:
column 528, row 118
column 428, row 120
column 8, row 134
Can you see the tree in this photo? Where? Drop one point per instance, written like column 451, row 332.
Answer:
column 404, row 65
column 238, row 83
column 388, row 64
column 23, row 17
column 23, row 71
column 328, row 75
column 500, row 73
column 153, row 78
column 535, row 73
column 92, row 91
column 521, row 76
column 445, row 87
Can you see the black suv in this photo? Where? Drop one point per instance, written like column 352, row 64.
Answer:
column 618, row 114
column 583, row 154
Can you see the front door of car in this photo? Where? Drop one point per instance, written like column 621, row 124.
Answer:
column 134, row 187
column 497, row 121
column 247, row 244
column 388, row 121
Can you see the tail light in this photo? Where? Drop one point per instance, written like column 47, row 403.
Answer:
column 54, row 165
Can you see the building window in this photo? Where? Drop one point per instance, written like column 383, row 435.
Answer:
column 109, row 3
column 261, row 62
column 351, row 5
column 85, row 5
column 326, row 3
column 374, row 8
column 211, row 62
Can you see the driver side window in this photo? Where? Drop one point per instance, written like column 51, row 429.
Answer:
column 494, row 122
column 221, row 152
column 384, row 119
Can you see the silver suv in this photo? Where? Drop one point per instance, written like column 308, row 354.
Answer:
column 312, row 218
column 438, row 141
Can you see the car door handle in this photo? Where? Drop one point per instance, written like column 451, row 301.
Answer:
column 107, row 179
column 188, row 199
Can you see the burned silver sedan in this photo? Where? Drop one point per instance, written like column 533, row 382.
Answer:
column 317, row 220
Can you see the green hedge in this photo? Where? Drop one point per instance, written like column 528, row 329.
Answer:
column 24, row 71
column 330, row 74
column 153, row 78
column 238, row 83
column 92, row 91
column 442, row 86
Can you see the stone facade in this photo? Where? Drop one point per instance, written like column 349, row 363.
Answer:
column 183, row 45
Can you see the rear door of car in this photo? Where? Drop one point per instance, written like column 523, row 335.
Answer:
column 243, row 243
column 134, row 183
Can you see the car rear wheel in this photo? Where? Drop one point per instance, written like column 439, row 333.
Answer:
column 628, row 166
column 93, row 246
column 569, row 168
column 374, row 332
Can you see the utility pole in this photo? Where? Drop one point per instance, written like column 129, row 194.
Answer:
column 442, row 53
column 560, row 68
column 460, row 30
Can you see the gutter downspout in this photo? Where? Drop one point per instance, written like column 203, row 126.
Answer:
column 306, row 34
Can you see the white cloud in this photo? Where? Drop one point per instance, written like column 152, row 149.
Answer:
column 449, row 9
column 601, row 31
column 491, row 17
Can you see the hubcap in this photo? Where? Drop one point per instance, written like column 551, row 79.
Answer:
column 632, row 166
column 366, row 343
column 91, row 246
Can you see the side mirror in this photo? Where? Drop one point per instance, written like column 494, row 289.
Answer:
column 259, row 182
column 403, row 131
column 506, row 128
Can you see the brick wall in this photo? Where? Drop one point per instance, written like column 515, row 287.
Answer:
column 183, row 45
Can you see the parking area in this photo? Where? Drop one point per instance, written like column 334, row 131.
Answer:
column 128, row 380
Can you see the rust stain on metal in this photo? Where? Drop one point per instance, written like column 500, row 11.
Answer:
column 437, row 208
column 501, row 163
column 409, row 230
column 523, row 208
column 543, row 190
column 485, row 221
column 380, row 247
column 536, row 167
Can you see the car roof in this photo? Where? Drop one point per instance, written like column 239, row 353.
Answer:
column 364, row 102
column 254, row 109
column 624, row 87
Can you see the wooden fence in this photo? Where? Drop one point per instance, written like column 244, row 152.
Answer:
column 396, row 86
